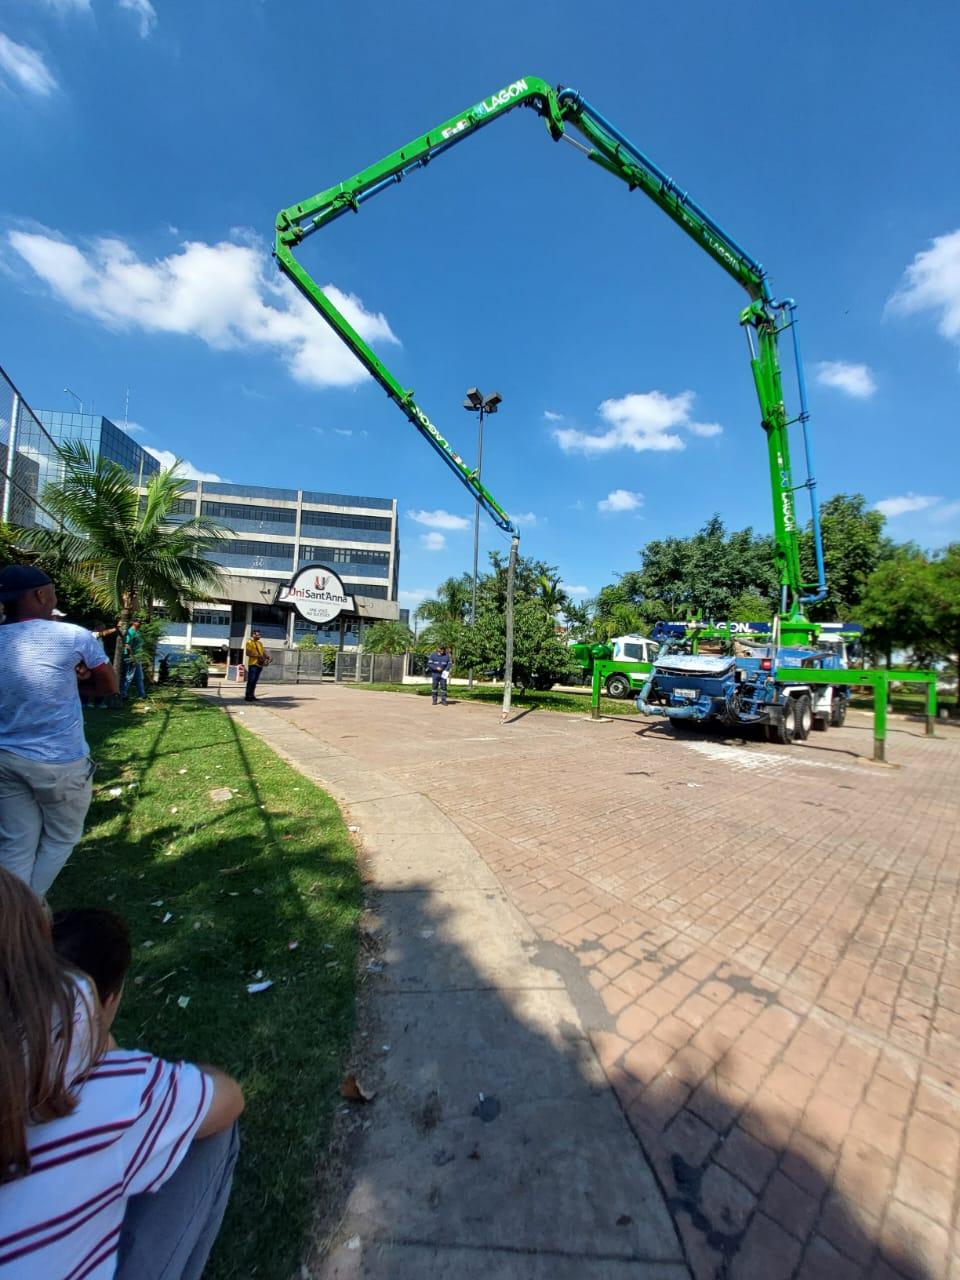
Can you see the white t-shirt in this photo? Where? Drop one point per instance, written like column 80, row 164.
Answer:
column 135, row 1119
column 40, row 713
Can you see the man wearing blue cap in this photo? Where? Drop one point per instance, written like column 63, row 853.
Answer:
column 45, row 767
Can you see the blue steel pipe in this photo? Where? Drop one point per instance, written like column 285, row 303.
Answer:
column 672, row 713
column 821, row 591
column 578, row 101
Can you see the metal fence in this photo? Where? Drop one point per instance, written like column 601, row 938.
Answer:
column 29, row 457
column 311, row 666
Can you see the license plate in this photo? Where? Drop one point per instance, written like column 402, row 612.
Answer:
column 693, row 694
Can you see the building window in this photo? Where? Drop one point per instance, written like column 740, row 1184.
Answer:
column 337, row 520
column 343, row 555
column 238, row 547
column 236, row 511
column 211, row 617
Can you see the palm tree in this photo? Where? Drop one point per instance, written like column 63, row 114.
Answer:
column 447, row 613
column 128, row 546
column 551, row 595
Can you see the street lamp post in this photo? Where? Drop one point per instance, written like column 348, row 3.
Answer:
column 68, row 392
column 476, row 402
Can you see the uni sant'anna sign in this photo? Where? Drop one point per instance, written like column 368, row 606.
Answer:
column 316, row 593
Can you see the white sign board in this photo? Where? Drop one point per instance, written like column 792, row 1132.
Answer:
column 316, row 593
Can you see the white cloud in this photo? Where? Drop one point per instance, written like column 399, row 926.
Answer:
column 577, row 593
column 186, row 469
column 550, row 416
column 639, row 421
column 225, row 294
column 64, row 7
column 620, row 500
column 432, row 541
column 855, row 380
column 932, row 283
column 410, row 599
column 25, row 67
column 131, row 428
column 525, row 518
column 343, row 431
column 439, row 519
column 144, row 11
column 907, row 502
column 945, row 512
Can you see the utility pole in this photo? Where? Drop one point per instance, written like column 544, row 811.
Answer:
column 477, row 403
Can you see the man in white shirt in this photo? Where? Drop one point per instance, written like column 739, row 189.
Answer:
column 45, row 768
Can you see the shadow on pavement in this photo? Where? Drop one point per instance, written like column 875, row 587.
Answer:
column 496, row 1146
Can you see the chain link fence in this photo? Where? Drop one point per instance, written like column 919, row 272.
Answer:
column 29, row 457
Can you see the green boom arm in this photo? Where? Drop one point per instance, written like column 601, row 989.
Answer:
column 764, row 318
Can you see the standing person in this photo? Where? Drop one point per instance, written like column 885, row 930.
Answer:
column 133, row 660
column 45, row 767
column 257, row 659
column 114, row 1164
column 438, row 667
column 100, row 632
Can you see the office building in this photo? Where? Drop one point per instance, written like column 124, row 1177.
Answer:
column 270, row 533
column 273, row 532
column 102, row 437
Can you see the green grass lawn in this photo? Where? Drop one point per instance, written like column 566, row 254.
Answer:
column 551, row 700
column 242, row 881
column 905, row 701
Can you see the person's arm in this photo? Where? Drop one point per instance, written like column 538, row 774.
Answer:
column 227, row 1103
column 103, row 680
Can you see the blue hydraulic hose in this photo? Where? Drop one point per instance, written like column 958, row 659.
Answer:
column 821, row 591
column 577, row 100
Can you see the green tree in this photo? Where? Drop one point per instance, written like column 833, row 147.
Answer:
column 947, row 580
column 308, row 641
column 387, row 637
column 900, row 606
column 450, row 604
column 552, row 596
column 854, row 545
column 75, row 596
column 708, row 573
column 130, row 550
column 540, row 656
column 750, row 607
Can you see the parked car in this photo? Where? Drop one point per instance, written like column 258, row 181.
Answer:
column 187, row 668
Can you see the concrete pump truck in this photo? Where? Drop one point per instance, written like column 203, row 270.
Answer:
column 786, row 684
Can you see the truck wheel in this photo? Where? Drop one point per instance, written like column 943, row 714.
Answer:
column 784, row 728
column 803, row 708
column 821, row 723
column 838, row 712
column 618, row 686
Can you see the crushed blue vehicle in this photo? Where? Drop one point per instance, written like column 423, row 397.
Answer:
column 742, row 687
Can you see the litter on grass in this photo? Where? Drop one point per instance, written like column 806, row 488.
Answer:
column 254, row 988
column 183, row 1001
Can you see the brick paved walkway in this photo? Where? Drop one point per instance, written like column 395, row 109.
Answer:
column 770, row 941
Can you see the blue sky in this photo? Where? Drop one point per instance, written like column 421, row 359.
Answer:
column 147, row 144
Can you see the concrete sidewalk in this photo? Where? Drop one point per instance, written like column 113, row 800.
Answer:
column 496, row 1147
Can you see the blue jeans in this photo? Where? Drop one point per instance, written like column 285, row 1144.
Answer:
column 168, row 1235
column 133, row 674
column 253, row 675
column 437, row 681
